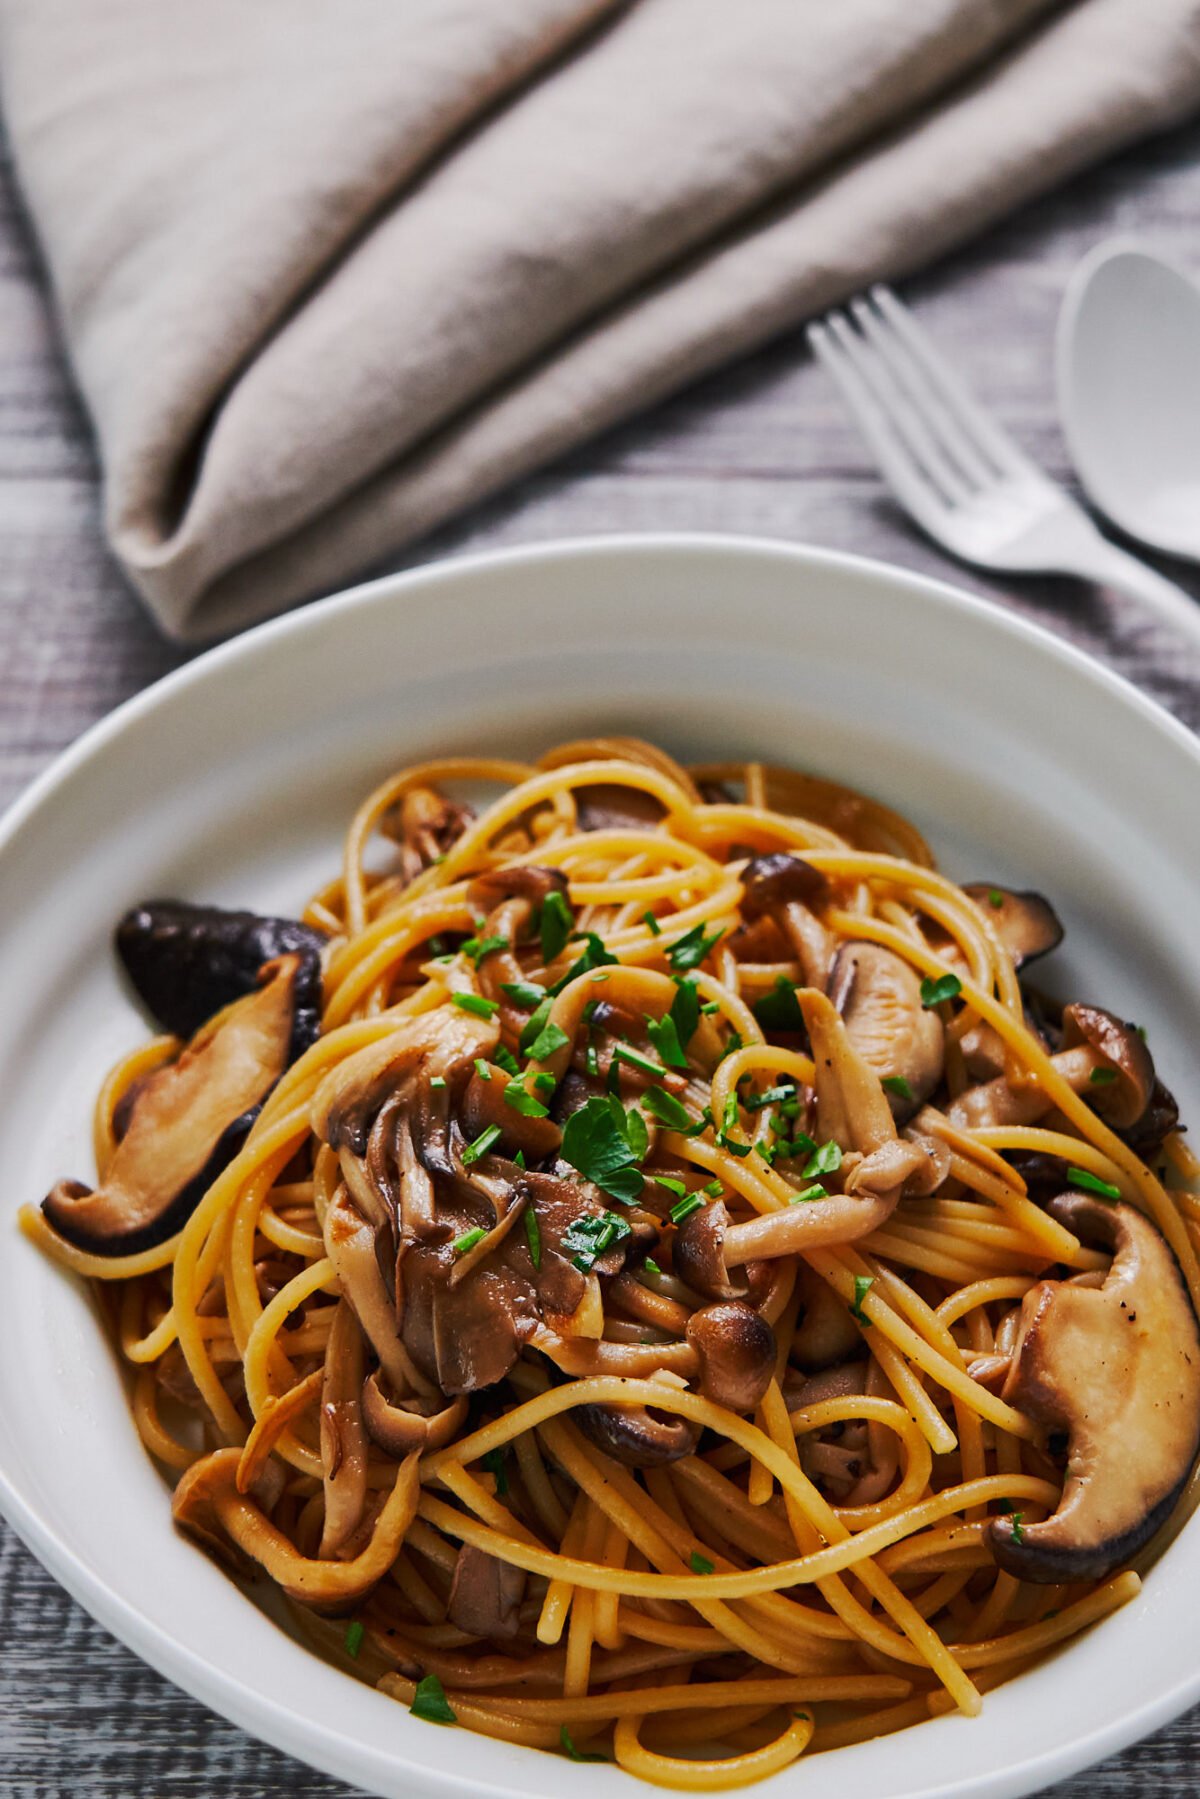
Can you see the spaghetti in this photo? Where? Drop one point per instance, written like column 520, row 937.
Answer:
column 604, row 1261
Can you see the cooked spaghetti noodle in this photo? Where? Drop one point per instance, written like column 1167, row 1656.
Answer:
column 607, row 1332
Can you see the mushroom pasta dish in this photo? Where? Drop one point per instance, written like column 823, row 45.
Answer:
column 642, row 1267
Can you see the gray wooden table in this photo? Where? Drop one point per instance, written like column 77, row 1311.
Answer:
column 762, row 449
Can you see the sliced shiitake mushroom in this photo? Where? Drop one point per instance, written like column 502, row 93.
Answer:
column 188, row 962
column 636, row 1436
column 785, row 888
column 1025, row 922
column 182, row 1112
column 485, row 1595
column 1117, row 1367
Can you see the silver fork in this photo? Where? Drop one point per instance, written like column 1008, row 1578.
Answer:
column 958, row 472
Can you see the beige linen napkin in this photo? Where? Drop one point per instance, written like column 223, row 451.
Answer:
column 329, row 272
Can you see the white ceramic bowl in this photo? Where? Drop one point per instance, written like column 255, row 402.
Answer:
column 232, row 781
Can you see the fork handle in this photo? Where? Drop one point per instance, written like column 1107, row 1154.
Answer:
column 1111, row 566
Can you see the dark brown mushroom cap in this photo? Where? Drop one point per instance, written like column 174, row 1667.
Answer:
column 1124, row 1100
column 1025, row 922
column 523, row 880
column 485, row 1595
column 188, row 962
column 736, row 1347
column 637, row 1437
column 182, row 1124
column 1118, row 1368
column 879, row 997
column 778, row 880
column 698, row 1253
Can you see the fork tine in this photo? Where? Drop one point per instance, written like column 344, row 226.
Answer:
column 906, row 480
column 923, row 395
column 991, row 440
column 906, row 420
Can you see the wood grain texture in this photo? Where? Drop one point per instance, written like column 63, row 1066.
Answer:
column 764, row 448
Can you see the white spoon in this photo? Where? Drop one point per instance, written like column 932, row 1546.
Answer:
column 1128, row 363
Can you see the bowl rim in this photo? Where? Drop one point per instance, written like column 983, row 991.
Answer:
column 316, row 1742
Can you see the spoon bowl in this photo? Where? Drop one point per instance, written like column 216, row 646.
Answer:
column 1128, row 366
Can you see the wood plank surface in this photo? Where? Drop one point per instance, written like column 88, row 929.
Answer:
column 764, row 448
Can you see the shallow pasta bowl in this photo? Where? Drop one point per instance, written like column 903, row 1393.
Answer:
column 1022, row 762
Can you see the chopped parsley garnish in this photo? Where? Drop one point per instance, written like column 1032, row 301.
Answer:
column 523, row 993
column 1091, row 1183
column 637, row 1131
column 519, row 1159
column 479, row 947
column 896, row 1083
column 533, row 1235
column 710, row 1007
column 826, row 1159
column 482, row 1069
column 469, row 1239
column 934, row 992
column 549, row 1039
column 651, row 923
column 995, row 898
column 714, row 1189
column 600, row 1148
column 578, row 1755
column 692, row 948
column 493, row 1461
column 430, row 1702
column 732, row 1044
column 685, row 1011
column 544, row 1083
column 481, row 1145
column 862, row 1286
column 354, row 1637
column 678, row 1188
column 438, row 1081
column 699, row 1564
column 779, row 1010
column 667, row 1109
column 475, row 1003
column 586, row 1238
column 535, row 1026
column 623, row 1052
column 594, row 956
column 1016, row 1519
column 772, row 1097
column 557, row 923
column 522, row 1101
column 816, row 1191
column 1102, row 1077
column 651, row 1266
column 591, row 1061
column 683, row 1208
column 664, row 1035
column 504, row 1058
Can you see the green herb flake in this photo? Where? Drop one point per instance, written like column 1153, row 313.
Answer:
column 816, row 1191
column 595, row 955
column 533, row 1235
column 710, row 1007
column 896, row 1083
column 714, row 1189
column 1102, row 1077
column 519, row 1159
column 523, row 993
column 826, row 1159
column 586, row 1238
column 685, row 1011
column 678, row 1188
column 692, row 948
column 668, row 1110
column 652, row 1267
column 623, row 1052
column 664, row 1035
column 773, row 1095
column 544, row 1083
column 475, row 1004
column 535, row 1026
column 522, row 1101
column 353, row 1641
column 1016, row 1519
column 479, row 947
column 935, row 992
column 577, row 1755
column 481, row 1145
column 995, row 898
column 862, row 1286
column 482, row 1069
column 595, row 1145
column 438, row 1081
column 651, row 923
column 430, row 1702
column 779, row 1010
column 699, row 1564
column 1091, row 1183
column 504, row 1058
column 683, row 1208
column 557, row 923
column 493, row 1461
column 548, row 1041
column 469, row 1239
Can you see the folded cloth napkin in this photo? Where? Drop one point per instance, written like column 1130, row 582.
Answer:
column 329, row 273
